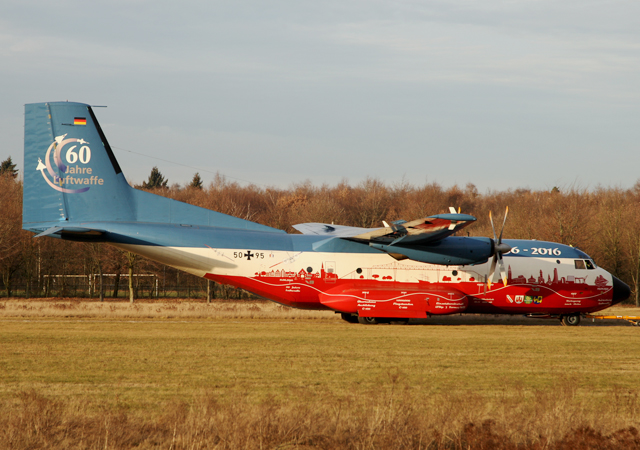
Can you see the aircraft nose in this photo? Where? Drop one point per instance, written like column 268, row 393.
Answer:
column 621, row 291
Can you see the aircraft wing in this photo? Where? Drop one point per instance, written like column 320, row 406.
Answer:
column 422, row 231
column 420, row 240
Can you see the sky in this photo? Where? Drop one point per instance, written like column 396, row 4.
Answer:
column 503, row 94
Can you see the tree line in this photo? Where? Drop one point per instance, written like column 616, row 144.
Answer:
column 603, row 222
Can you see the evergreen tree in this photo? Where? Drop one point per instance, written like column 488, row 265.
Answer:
column 196, row 182
column 156, row 180
column 9, row 167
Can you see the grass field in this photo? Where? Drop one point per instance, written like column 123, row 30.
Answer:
column 176, row 367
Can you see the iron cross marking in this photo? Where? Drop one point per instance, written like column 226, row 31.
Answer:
column 249, row 255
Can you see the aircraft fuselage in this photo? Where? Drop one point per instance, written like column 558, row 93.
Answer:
column 313, row 272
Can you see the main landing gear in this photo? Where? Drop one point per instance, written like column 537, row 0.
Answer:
column 352, row 318
column 570, row 320
column 369, row 320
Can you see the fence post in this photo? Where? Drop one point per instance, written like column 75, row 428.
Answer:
column 101, row 287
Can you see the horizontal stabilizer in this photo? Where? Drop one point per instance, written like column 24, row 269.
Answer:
column 73, row 233
column 325, row 229
column 48, row 232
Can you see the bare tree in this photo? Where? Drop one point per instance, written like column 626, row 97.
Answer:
column 131, row 262
column 11, row 234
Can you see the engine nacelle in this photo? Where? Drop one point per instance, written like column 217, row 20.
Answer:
column 451, row 251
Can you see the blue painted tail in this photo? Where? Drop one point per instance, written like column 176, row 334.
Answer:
column 72, row 177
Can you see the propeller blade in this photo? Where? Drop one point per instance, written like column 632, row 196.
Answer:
column 498, row 248
column 503, row 224
column 503, row 273
column 492, row 272
column 492, row 227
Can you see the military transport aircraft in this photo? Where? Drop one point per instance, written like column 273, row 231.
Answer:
column 75, row 190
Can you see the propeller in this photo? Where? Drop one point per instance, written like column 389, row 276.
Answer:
column 452, row 210
column 498, row 249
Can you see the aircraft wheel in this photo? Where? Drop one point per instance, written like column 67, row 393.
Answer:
column 368, row 320
column 571, row 320
column 349, row 317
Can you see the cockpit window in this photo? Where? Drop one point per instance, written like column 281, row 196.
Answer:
column 585, row 264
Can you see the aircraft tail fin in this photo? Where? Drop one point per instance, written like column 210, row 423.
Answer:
column 70, row 172
column 72, row 176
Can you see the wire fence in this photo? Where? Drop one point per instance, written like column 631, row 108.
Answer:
column 117, row 286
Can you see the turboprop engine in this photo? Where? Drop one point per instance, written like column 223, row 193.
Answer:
column 454, row 250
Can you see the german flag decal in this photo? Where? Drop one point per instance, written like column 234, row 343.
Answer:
column 79, row 121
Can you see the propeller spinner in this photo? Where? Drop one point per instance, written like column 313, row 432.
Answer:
column 498, row 249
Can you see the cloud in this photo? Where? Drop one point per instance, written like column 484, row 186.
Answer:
column 345, row 81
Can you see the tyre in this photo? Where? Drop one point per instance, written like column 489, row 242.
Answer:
column 368, row 320
column 571, row 320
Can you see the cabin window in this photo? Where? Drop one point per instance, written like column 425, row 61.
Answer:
column 579, row 264
column 590, row 264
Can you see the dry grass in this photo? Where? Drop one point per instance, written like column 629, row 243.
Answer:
column 395, row 419
column 156, row 309
column 229, row 375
